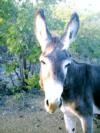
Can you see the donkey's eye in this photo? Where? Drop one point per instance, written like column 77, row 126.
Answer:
column 67, row 65
column 43, row 62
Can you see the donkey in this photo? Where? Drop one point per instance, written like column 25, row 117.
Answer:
column 71, row 86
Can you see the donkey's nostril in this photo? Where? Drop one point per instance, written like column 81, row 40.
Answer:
column 47, row 102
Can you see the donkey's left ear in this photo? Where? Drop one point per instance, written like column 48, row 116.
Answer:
column 71, row 31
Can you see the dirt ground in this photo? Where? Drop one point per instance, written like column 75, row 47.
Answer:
column 26, row 114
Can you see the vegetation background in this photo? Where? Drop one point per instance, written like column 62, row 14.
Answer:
column 19, row 49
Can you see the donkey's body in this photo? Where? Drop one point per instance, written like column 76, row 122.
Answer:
column 75, row 87
column 82, row 87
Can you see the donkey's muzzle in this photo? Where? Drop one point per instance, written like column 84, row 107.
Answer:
column 52, row 106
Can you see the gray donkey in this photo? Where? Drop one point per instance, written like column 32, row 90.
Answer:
column 73, row 87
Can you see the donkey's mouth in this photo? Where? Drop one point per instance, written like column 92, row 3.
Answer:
column 51, row 108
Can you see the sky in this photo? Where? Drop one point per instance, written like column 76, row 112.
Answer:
column 90, row 5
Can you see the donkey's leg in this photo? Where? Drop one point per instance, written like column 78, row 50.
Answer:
column 70, row 122
column 69, row 119
column 87, row 124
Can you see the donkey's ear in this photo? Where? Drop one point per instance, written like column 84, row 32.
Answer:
column 41, row 31
column 71, row 31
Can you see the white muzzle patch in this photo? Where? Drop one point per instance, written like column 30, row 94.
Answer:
column 53, row 91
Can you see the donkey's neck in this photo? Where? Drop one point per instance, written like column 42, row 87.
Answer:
column 77, row 74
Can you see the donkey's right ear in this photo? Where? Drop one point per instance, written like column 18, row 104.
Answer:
column 41, row 30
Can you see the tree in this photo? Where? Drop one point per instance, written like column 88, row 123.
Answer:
column 17, row 33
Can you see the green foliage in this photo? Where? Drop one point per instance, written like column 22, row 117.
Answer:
column 34, row 57
column 10, row 67
column 88, row 40
column 33, row 81
column 17, row 35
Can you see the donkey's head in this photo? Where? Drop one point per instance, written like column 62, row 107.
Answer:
column 54, row 59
